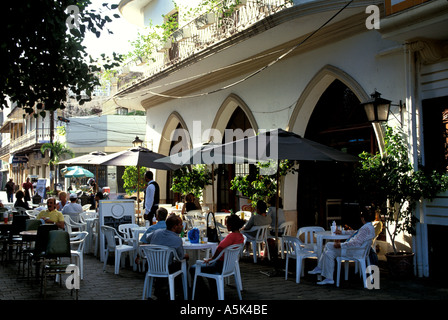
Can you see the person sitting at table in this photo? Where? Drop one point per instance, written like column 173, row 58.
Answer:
column 62, row 200
column 20, row 203
column 51, row 215
column 72, row 208
column 169, row 237
column 189, row 204
column 161, row 215
column 234, row 224
column 259, row 219
column 326, row 262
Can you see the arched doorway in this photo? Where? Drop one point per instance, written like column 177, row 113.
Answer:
column 227, row 198
column 327, row 191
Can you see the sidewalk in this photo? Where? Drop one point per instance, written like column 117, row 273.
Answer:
column 257, row 286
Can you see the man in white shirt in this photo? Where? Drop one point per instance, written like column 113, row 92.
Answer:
column 325, row 266
column 152, row 197
column 72, row 208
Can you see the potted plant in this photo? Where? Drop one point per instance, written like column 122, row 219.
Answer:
column 192, row 179
column 390, row 184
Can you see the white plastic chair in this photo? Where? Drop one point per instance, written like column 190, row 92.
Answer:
column 260, row 237
column 231, row 257
column 308, row 237
column 70, row 224
column 286, row 228
column 158, row 258
column 112, row 237
column 356, row 254
column 77, row 244
column 127, row 232
column 294, row 250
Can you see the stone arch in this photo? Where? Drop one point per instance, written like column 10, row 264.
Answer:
column 173, row 121
column 227, row 109
column 311, row 94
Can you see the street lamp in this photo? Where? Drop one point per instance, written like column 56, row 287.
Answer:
column 377, row 108
column 137, row 142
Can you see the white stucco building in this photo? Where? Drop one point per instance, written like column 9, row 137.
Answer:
column 304, row 66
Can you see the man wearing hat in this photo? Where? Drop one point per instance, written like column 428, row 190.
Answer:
column 72, row 208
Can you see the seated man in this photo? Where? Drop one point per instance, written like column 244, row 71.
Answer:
column 51, row 215
column 72, row 208
column 169, row 237
column 325, row 266
column 161, row 215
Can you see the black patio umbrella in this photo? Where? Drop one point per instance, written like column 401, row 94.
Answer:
column 139, row 157
column 277, row 144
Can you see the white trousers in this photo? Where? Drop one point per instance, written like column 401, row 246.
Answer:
column 327, row 260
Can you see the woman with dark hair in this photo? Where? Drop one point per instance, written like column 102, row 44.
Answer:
column 19, row 201
column 234, row 224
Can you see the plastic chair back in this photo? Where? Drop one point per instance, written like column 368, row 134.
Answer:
column 109, row 234
column 308, row 236
column 231, row 257
column 32, row 224
column 19, row 223
column 58, row 244
column 79, row 241
column 262, row 233
column 287, row 228
column 292, row 245
column 42, row 237
column 158, row 258
column 126, row 231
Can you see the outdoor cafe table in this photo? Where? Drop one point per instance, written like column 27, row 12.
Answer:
column 328, row 235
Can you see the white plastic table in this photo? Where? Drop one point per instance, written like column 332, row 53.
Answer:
column 328, row 235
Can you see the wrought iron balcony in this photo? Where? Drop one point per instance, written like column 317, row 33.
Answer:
column 201, row 33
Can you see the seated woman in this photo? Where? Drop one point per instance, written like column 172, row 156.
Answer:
column 234, row 224
column 20, row 195
column 189, row 204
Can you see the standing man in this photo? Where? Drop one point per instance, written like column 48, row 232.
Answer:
column 28, row 189
column 10, row 190
column 152, row 197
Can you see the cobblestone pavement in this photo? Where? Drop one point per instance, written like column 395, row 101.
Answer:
column 260, row 285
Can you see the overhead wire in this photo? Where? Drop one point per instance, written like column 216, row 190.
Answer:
column 282, row 56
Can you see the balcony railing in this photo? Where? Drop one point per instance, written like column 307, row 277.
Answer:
column 204, row 31
column 29, row 139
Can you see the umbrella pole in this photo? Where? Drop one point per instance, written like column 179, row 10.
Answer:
column 138, row 195
column 213, row 188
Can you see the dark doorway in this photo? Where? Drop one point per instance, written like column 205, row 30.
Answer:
column 327, row 191
column 227, row 198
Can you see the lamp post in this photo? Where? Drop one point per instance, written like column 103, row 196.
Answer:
column 377, row 108
column 137, row 142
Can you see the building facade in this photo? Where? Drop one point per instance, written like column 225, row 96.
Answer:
column 304, row 66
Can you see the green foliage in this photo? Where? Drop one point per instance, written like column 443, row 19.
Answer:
column 57, row 149
column 131, row 178
column 192, row 179
column 390, row 183
column 262, row 186
column 42, row 55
